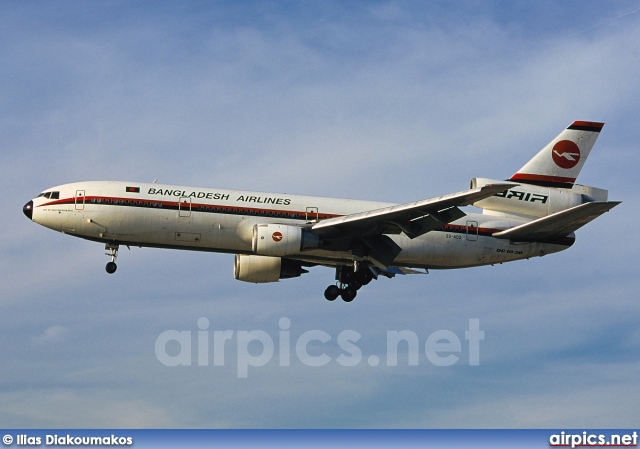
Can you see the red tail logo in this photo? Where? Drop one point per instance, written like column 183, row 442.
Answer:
column 566, row 154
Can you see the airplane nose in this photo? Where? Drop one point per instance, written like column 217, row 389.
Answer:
column 28, row 210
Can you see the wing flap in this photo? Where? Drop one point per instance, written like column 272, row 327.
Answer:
column 381, row 250
column 557, row 225
column 429, row 222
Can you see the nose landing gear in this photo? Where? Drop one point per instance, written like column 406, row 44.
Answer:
column 113, row 252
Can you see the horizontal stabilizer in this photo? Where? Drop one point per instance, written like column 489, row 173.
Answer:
column 558, row 225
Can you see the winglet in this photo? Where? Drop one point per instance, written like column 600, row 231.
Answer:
column 559, row 163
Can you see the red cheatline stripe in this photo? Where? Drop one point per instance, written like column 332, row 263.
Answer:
column 195, row 207
column 541, row 178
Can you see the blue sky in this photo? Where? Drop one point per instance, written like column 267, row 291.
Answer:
column 389, row 101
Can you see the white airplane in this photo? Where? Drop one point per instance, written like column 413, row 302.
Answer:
column 277, row 236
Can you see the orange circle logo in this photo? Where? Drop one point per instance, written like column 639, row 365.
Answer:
column 276, row 236
column 566, row 154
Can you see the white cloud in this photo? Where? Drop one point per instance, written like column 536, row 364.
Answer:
column 90, row 408
column 596, row 396
column 51, row 335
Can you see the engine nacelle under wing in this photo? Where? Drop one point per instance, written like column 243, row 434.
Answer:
column 281, row 240
column 262, row 269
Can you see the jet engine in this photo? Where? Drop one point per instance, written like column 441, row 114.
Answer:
column 537, row 201
column 262, row 269
column 282, row 240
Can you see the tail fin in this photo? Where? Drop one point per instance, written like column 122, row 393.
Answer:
column 559, row 163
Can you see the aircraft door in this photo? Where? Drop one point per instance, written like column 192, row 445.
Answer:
column 312, row 214
column 184, row 207
column 79, row 199
column 472, row 231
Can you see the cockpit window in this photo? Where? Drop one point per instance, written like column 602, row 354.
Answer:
column 50, row 195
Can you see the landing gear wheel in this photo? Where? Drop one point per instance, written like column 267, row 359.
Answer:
column 113, row 253
column 331, row 293
column 348, row 294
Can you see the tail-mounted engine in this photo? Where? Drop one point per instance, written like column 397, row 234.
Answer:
column 537, row 201
column 282, row 240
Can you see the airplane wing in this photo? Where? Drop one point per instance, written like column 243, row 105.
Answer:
column 414, row 219
column 559, row 224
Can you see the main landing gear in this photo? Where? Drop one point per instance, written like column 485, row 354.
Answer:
column 350, row 280
column 113, row 252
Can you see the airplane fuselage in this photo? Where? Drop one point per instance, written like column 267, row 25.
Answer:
column 220, row 220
